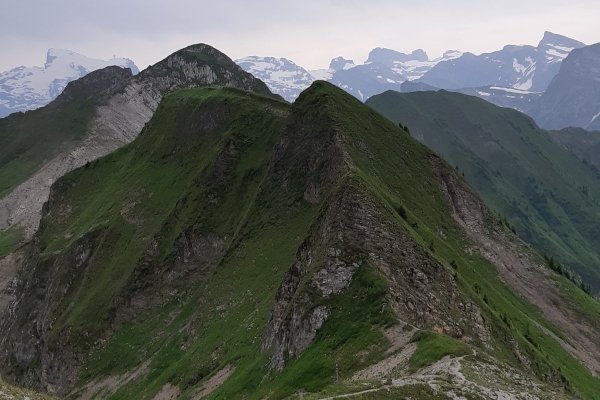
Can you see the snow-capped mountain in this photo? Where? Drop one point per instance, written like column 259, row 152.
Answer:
column 521, row 67
column 524, row 71
column 409, row 66
column 281, row 75
column 384, row 69
column 28, row 88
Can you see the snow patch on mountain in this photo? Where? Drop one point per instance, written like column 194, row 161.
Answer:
column 593, row 119
column 322, row 74
column 522, row 67
column 511, row 90
column 28, row 88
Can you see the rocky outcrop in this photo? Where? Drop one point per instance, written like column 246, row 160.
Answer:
column 355, row 230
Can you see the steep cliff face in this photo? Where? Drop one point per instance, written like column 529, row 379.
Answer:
column 572, row 99
column 242, row 239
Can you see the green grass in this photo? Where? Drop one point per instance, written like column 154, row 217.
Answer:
column 9, row 240
column 433, row 347
column 31, row 139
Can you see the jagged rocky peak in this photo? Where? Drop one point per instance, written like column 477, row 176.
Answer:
column 202, row 65
column 340, row 64
column 96, row 84
column 572, row 99
column 557, row 47
column 389, row 57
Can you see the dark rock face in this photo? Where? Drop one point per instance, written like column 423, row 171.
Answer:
column 97, row 85
column 573, row 97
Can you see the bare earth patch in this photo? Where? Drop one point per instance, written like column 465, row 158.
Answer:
column 110, row 385
column 214, row 382
column 168, row 392
column 384, row 368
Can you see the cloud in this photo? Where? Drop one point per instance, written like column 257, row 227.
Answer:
column 310, row 32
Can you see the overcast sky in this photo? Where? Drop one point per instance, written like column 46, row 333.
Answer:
column 309, row 32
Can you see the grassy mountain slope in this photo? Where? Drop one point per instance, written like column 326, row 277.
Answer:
column 584, row 144
column 242, row 240
column 550, row 196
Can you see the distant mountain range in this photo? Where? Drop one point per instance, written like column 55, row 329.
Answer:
column 384, row 69
column 533, row 80
column 525, row 68
column 28, row 88
column 515, row 77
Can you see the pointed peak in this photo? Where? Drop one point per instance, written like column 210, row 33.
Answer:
column 388, row 56
column 340, row 63
column 319, row 94
column 555, row 39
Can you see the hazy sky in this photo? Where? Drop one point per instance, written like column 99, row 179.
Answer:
column 309, row 32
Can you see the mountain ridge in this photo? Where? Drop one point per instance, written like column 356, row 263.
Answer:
column 275, row 245
column 99, row 126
